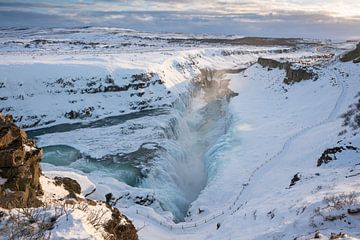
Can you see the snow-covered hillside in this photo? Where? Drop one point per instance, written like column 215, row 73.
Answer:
column 193, row 139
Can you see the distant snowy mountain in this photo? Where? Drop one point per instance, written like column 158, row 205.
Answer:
column 194, row 137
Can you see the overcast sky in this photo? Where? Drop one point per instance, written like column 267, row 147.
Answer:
column 278, row 18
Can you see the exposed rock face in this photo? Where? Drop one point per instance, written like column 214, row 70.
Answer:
column 270, row 63
column 292, row 75
column 297, row 75
column 353, row 55
column 19, row 167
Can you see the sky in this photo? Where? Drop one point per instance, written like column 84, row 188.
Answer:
column 336, row 19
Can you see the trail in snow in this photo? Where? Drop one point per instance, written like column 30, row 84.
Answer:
column 343, row 86
column 265, row 167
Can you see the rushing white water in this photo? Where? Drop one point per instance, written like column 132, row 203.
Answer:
column 180, row 176
column 169, row 150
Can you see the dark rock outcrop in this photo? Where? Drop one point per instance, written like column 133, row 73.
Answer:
column 81, row 114
column 271, row 63
column 329, row 155
column 353, row 55
column 295, row 179
column 69, row 184
column 19, row 167
column 145, row 201
column 353, row 211
column 293, row 75
column 138, row 81
column 297, row 75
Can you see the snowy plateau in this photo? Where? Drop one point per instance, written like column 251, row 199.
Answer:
column 192, row 136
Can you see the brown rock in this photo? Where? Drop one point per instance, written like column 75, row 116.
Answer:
column 117, row 229
column 69, row 184
column 72, row 195
column 91, row 202
column 19, row 164
column 6, row 137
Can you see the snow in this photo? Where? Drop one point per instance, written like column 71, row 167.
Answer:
column 28, row 148
column 74, row 227
column 268, row 121
column 86, row 185
column 2, row 181
column 67, row 218
column 269, row 133
column 51, row 190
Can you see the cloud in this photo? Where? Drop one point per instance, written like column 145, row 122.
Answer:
column 143, row 17
column 32, row 19
column 283, row 18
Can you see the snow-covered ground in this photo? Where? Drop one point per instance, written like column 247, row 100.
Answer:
column 135, row 122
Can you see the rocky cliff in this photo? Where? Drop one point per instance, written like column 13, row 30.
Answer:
column 353, row 55
column 293, row 75
column 20, row 187
column 19, row 167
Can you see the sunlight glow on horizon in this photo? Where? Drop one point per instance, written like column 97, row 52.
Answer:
column 347, row 9
column 245, row 17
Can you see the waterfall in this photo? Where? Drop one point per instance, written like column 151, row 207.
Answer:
column 182, row 173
